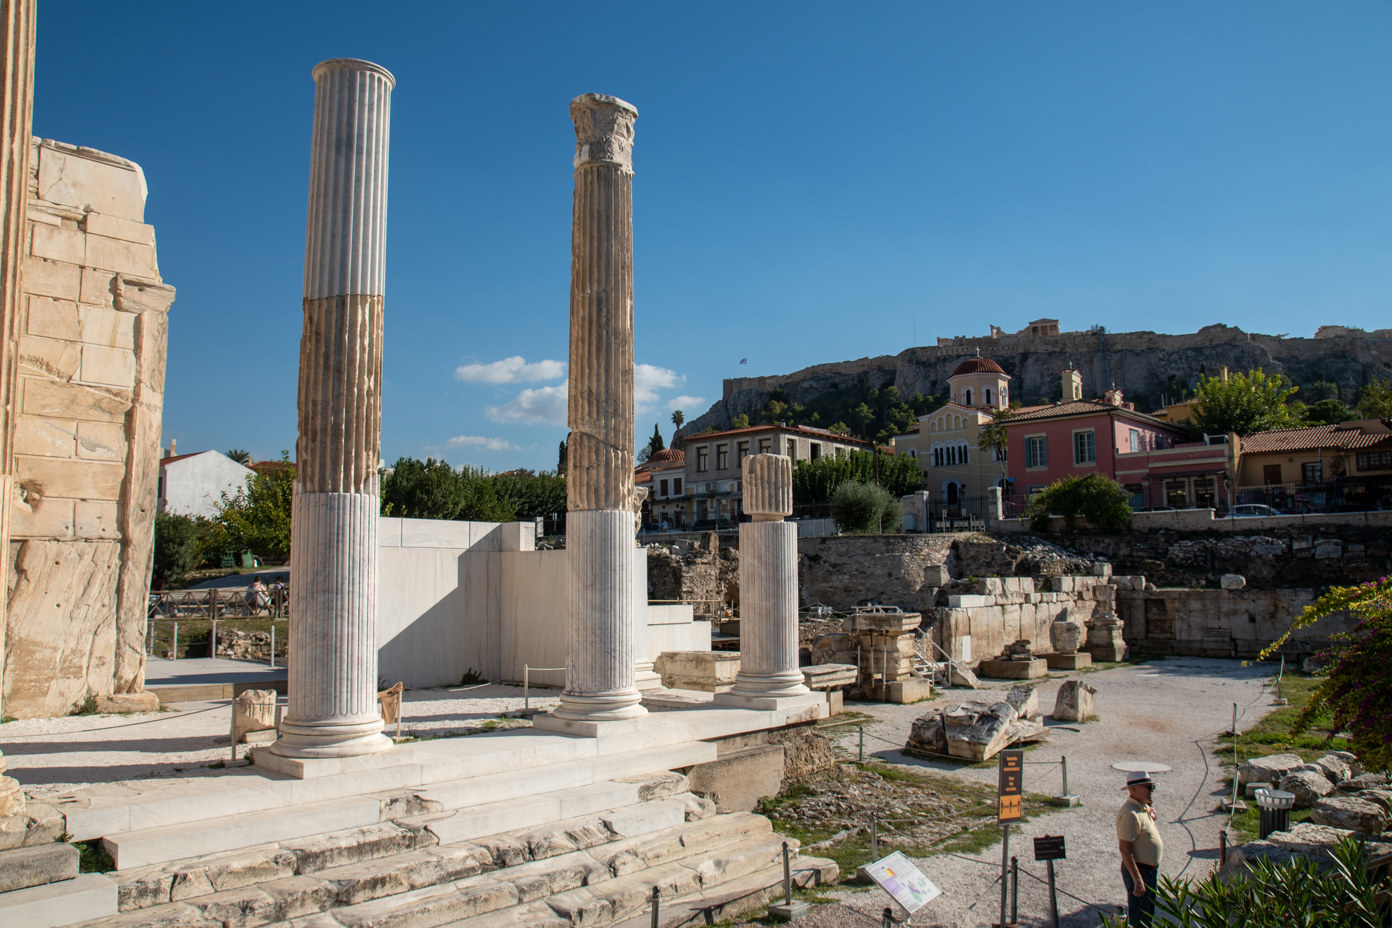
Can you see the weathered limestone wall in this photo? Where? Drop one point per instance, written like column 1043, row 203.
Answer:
column 89, row 392
column 845, row 571
column 997, row 611
column 1216, row 623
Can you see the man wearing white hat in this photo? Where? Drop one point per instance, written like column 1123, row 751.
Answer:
column 1141, row 848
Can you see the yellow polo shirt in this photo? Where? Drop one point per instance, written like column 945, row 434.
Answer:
column 1134, row 824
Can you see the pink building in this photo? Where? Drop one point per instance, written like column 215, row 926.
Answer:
column 1077, row 437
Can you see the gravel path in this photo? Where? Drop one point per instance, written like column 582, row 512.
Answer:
column 1160, row 712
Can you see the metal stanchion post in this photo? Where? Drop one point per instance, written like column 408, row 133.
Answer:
column 887, row 918
column 861, row 729
column 1053, row 895
column 874, row 836
column 526, row 692
column 656, row 896
column 1014, row 891
column 1005, row 881
column 787, row 876
column 273, row 666
column 212, row 644
column 174, row 652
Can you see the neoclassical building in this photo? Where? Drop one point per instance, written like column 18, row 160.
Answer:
column 945, row 442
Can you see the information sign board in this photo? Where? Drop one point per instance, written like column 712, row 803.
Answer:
column 903, row 881
column 1049, row 847
column 1012, row 781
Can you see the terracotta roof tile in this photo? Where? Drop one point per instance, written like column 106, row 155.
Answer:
column 1347, row 436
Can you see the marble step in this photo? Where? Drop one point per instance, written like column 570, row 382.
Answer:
column 232, row 832
column 540, row 864
column 54, row 905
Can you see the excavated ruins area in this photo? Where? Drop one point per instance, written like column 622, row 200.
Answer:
column 1164, row 712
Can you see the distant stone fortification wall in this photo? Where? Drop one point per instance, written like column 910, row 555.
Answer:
column 92, row 327
column 1145, row 365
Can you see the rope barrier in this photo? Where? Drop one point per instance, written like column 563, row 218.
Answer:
column 84, row 731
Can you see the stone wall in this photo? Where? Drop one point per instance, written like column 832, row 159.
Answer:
column 845, row 571
column 88, row 399
column 1217, row 623
column 977, row 625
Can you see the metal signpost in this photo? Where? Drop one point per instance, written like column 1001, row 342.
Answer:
column 1010, row 796
column 1050, row 848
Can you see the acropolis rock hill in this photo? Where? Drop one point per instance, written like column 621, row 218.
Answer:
column 1145, row 365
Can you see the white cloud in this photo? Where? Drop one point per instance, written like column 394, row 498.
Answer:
column 540, row 406
column 648, row 379
column 510, row 370
column 693, row 406
column 479, row 441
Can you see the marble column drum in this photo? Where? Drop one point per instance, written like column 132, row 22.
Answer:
column 600, row 640
column 769, row 676
column 333, row 709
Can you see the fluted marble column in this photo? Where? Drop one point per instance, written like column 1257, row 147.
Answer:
column 768, row 676
column 333, row 570
column 600, row 648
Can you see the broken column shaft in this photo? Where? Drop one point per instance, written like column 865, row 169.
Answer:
column 600, row 646
column 333, row 709
column 768, row 589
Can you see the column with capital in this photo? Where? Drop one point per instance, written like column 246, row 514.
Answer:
column 333, row 709
column 600, row 636
column 769, row 677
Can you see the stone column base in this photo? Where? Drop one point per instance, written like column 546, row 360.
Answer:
column 739, row 701
column 330, row 738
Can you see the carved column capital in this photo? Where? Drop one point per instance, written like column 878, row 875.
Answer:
column 603, row 130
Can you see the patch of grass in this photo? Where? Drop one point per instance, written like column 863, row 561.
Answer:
column 217, row 765
column 1273, row 735
column 93, row 858
column 87, row 707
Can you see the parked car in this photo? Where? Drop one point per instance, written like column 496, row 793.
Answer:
column 1252, row 511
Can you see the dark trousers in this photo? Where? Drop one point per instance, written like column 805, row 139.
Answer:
column 1140, row 910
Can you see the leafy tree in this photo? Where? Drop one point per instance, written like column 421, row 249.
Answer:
column 1102, row 502
column 240, row 456
column 257, row 516
column 993, row 437
column 1246, row 403
column 428, row 489
column 1314, row 392
column 1328, row 412
column 484, row 500
column 740, row 422
column 561, row 458
column 530, row 495
column 840, row 428
column 181, row 543
column 1356, row 688
column 814, row 482
column 1298, row 891
column 678, row 417
column 864, row 508
column 1375, row 402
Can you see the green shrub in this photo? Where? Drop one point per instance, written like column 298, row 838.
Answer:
column 1098, row 500
column 181, row 543
column 864, row 508
column 1294, row 893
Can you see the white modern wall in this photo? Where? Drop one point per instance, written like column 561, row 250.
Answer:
column 459, row 596
column 194, row 485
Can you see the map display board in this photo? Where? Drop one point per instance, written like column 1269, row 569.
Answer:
column 903, row 881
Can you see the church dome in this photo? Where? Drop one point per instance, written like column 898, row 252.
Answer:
column 978, row 366
column 668, row 456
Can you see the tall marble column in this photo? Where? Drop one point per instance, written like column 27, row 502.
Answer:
column 600, row 647
column 333, row 571
column 768, row 676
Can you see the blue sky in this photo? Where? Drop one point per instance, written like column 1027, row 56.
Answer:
column 815, row 182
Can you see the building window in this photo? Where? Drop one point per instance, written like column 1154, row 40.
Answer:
column 1374, row 460
column 702, row 459
column 792, row 448
column 1176, row 495
column 1135, row 440
column 741, row 452
column 1000, row 455
column 1204, row 495
column 988, row 396
column 764, row 445
column 966, row 397
column 662, row 488
column 815, row 450
column 1036, row 451
column 722, row 457
column 913, row 453
column 676, row 486
column 1085, row 447
column 1310, row 473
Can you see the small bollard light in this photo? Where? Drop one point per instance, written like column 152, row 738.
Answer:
column 1273, row 810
